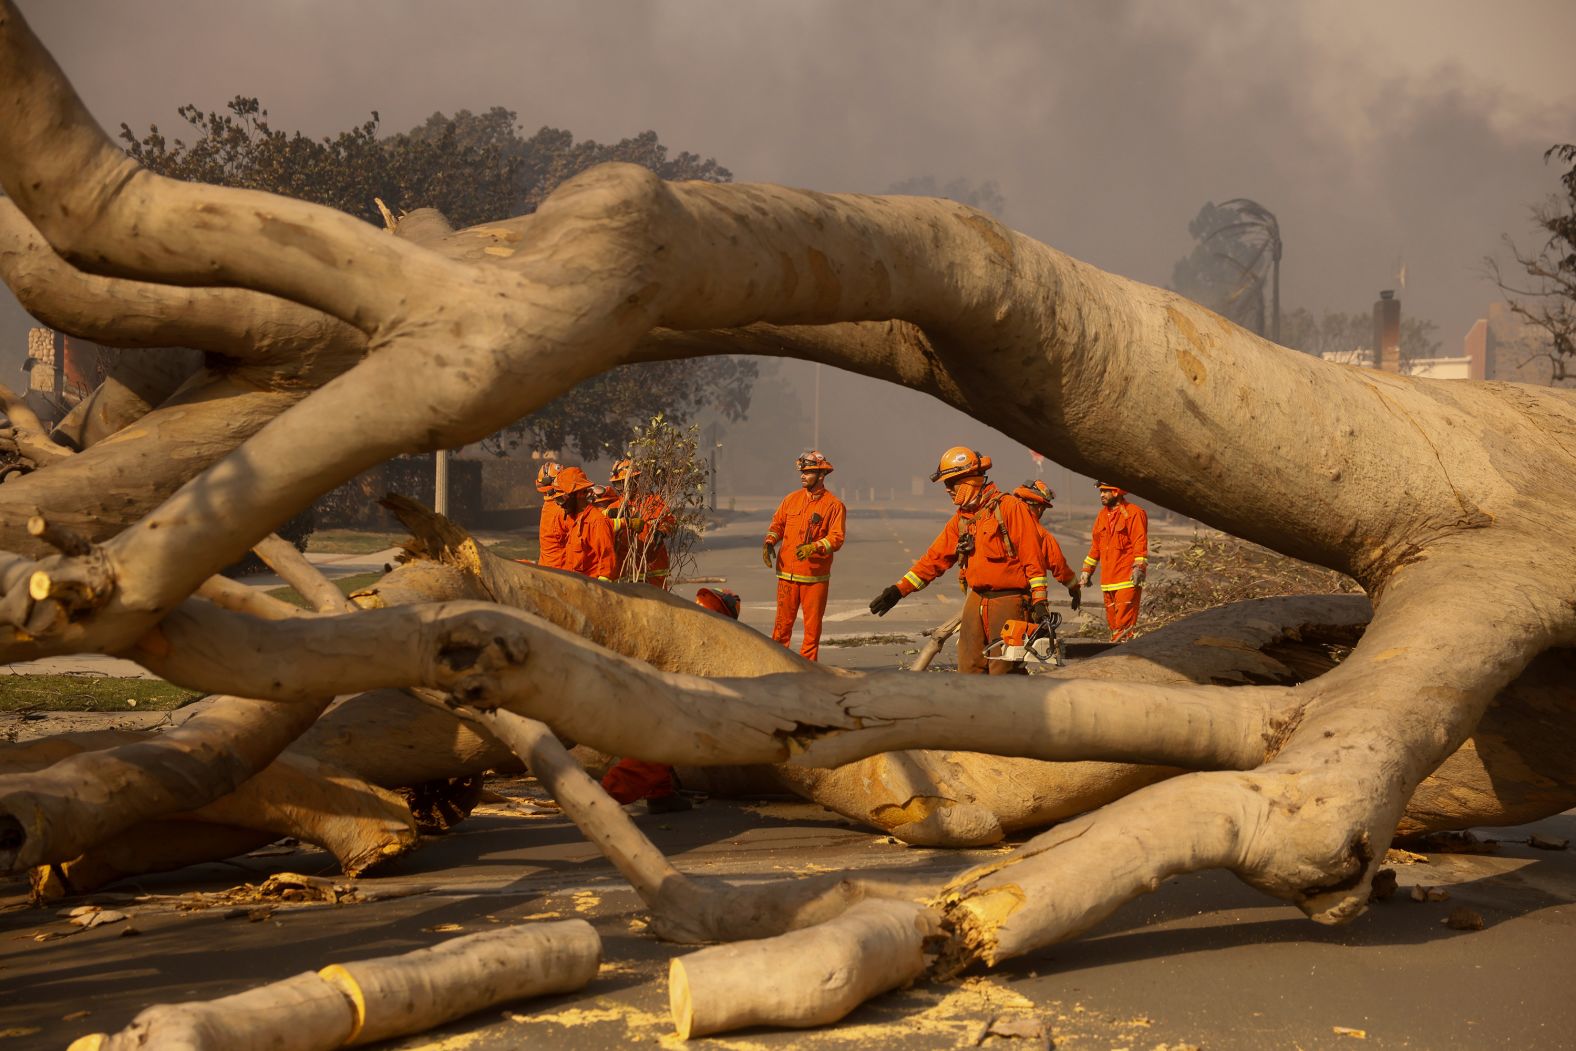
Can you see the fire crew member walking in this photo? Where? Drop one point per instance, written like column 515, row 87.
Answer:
column 1120, row 548
column 1037, row 496
column 588, row 536
column 809, row 523
column 550, row 535
column 642, row 524
column 996, row 540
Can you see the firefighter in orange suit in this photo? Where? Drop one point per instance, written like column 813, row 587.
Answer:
column 996, row 539
column 588, row 535
column 1121, row 549
column 631, row 780
column 1037, row 496
column 809, row 524
column 642, row 524
column 550, row 537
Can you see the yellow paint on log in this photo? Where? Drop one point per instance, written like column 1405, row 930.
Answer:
column 342, row 980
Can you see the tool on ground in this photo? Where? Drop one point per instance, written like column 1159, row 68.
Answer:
column 1024, row 640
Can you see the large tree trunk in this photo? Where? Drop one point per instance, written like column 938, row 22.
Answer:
column 1439, row 497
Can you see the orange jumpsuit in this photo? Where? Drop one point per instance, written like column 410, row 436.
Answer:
column 805, row 517
column 1054, row 562
column 1005, row 574
column 550, row 537
column 1121, row 541
column 588, row 544
column 650, row 517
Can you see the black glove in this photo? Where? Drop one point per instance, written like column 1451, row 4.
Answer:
column 882, row 604
column 1075, row 594
column 1040, row 612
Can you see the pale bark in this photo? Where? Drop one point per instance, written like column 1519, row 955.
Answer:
column 365, row 1001
column 683, row 908
column 938, row 637
column 803, row 979
column 55, row 813
column 1439, row 497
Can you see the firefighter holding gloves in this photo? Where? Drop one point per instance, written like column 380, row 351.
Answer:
column 809, row 524
column 995, row 540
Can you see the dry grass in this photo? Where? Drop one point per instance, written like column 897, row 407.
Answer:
column 1214, row 569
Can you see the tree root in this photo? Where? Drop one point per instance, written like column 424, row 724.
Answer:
column 370, row 1000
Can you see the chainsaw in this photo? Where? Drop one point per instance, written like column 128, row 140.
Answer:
column 1024, row 640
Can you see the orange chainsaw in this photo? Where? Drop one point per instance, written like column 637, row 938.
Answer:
column 1024, row 640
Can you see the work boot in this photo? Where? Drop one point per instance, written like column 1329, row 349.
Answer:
column 670, row 804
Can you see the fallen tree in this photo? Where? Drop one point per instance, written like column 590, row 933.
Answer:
column 333, row 346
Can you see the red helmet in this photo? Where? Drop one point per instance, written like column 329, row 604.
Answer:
column 960, row 462
column 813, row 461
column 719, row 600
column 624, row 470
column 570, row 480
column 1035, row 492
column 1118, row 490
column 545, row 476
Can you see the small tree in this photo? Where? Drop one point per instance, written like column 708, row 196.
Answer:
column 1547, row 295
column 672, row 468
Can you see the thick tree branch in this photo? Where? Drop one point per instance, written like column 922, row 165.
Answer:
column 56, row 813
column 493, row 657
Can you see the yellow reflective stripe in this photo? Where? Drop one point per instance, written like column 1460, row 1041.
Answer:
column 1036, row 582
column 797, row 579
column 771, row 538
column 912, row 579
column 1090, row 562
column 1123, row 586
column 1140, row 558
column 604, row 580
column 656, row 572
column 824, row 544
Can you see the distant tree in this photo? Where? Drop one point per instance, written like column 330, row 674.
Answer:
column 473, row 168
column 1350, row 337
column 985, row 196
column 1234, row 267
column 1545, row 294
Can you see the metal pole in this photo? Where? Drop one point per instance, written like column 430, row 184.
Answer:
column 440, row 483
column 815, row 441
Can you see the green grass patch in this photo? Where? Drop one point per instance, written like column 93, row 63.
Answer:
column 354, row 582
column 352, row 541
column 89, row 693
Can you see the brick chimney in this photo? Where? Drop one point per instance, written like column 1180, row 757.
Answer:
column 1387, row 332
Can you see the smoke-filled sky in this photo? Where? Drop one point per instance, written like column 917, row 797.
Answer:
column 1407, row 131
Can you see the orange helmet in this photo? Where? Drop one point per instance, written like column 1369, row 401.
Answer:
column 1035, row 492
column 719, row 600
column 959, row 462
column 624, row 470
column 813, row 461
column 570, row 480
column 545, row 476
column 1118, row 490
column 603, row 496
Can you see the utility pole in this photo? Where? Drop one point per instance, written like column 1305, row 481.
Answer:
column 711, row 440
column 815, row 434
column 440, row 482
